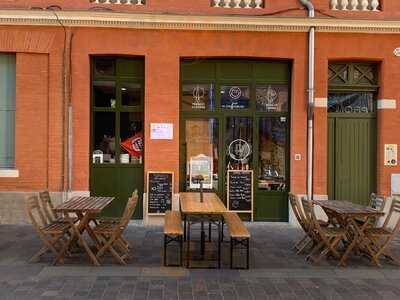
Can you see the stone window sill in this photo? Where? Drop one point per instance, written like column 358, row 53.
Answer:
column 9, row 173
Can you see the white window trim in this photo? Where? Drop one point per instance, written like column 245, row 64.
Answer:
column 9, row 173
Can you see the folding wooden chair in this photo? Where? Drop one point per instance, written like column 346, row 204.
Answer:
column 381, row 237
column 327, row 238
column 298, row 212
column 52, row 234
column 111, row 233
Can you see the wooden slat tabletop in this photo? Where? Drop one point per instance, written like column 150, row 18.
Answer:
column 212, row 205
column 85, row 204
column 348, row 208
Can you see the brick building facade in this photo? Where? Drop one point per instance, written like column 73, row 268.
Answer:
column 56, row 45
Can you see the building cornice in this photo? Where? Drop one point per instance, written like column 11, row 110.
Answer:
column 193, row 22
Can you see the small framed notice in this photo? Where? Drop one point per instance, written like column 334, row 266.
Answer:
column 240, row 191
column 159, row 192
column 161, row 131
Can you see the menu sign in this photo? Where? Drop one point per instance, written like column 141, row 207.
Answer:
column 240, row 190
column 160, row 192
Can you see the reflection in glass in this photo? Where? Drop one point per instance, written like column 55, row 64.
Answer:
column 105, row 66
column 202, row 152
column 131, row 139
column 104, row 137
column 353, row 102
column 198, row 97
column 272, row 98
column 239, row 143
column 235, row 97
column 272, row 153
column 104, row 94
column 131, row 94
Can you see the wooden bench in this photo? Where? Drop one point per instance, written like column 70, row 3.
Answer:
column 173, row 232
column 239, row 235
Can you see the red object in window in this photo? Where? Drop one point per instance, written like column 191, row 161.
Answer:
column 134, row 145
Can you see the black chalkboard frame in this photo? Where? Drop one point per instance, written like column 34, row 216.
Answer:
column 148, row 191
column 251, row 211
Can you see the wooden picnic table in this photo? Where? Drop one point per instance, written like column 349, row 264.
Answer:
column 348, row 215
column 211, row 209
column 86, row 209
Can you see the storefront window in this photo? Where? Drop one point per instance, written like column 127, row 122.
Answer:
column 131, row 94
column 104, row 138
column 201, row 153
column 104, row 94
column 239, row 143
column 235, row 97
column 105, row 66
column 351, row 102
column 131, row 138
column 198, row 97
column 272, row 153
column 272, row 98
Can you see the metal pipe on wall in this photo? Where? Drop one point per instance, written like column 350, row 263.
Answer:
column 311, row 78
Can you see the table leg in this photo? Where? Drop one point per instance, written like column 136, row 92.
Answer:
column 202, row 240
column 188, row 245
column 184, row 228
column 219, row 244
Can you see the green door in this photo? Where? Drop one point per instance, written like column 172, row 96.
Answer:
column 116, row 154
column 235, row 115
column 352, row 158
column 353, row 88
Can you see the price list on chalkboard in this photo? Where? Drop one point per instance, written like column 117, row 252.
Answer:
column 159, row 192
column 240, row 190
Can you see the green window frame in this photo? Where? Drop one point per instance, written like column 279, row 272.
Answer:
column 7, row 110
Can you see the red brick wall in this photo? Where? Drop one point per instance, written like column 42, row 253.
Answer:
column 391, row 8
column 39, row 93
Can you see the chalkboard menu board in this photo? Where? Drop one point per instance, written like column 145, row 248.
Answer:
column 240, row 190
column 159, row 192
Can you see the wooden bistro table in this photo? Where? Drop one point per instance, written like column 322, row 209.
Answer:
column 347, row 214
column 194, row 211
column 85, row 208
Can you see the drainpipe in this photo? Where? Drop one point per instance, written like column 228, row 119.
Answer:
column 311, row 61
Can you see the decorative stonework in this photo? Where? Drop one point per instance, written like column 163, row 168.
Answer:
column 121, row 2
column 189, row 22
column 355, row 5
column 238, row 3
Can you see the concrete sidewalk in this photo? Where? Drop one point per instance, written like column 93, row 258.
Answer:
column 276, row 272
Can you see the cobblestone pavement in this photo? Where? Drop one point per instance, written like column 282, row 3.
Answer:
column 276, row 272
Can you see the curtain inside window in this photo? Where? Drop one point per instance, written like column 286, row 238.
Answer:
column 7, row 110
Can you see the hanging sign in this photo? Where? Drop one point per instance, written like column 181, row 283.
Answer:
column 161, row 131
column 159, row 192
column 240, row 191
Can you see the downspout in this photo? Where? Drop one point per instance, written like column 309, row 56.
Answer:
column 311, row 77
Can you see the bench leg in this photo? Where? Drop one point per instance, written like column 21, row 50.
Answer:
column 165, row 250
column 181, row 249
column 231, row 253
column 248, row 253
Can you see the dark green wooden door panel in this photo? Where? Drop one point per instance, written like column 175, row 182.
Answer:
column 271, row 206
column 355, row 159
column 118, row 182
column 331, row 158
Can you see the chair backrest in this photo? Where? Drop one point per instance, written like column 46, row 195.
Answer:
column 297, row 210
column 392, row 221
column 48, row 207
column 34, row 212
column 377, row 202
column 308, row 208
column 129, row 210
